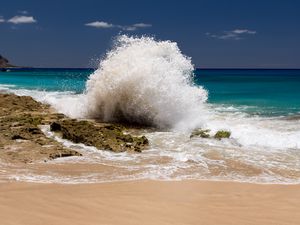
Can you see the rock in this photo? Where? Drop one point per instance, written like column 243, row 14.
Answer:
column 55, row 127
column 21, row 139
column 64, row 153
column 34, row 130
column 108, row 137
column 222, row 134
column 200, row 133
column 13, row 104
column 17, row 136
column 20, row 117
column 4, row 62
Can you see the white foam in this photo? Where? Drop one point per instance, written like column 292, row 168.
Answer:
column 6, row 87
column 273, row 133
column 174, row 156
column 66, row 102
column 145, row 81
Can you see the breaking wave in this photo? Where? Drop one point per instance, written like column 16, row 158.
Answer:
column 144, row 81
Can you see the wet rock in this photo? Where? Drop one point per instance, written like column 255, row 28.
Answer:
column 55, row 127
column 12, row 104
column 200, row 133
column 25, row 132
column 222, row 134
column 34, row 130
column 21, row 139
column 17, row 136
column 64, row 153
column 107, row 137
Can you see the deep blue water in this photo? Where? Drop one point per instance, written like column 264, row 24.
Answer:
column 265, row 92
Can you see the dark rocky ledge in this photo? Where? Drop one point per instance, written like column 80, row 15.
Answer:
column 102, row 136
column 21, row 139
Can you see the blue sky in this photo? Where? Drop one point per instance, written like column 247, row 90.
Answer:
column 216, row 34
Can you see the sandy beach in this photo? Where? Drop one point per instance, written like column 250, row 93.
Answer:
column 149, row 202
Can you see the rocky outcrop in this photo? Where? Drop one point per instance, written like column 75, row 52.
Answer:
column 102, row 136
column 205, row 134
column 22, row 140
column 222, row 134
column 200, row 133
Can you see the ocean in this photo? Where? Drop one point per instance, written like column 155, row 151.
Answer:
column 265, row 92
column 151, row 83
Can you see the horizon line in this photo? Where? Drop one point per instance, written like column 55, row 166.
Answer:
column 196, row 68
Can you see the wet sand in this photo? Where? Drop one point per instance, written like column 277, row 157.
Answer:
column 149, row 202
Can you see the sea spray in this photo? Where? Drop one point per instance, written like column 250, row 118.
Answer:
column 145, row 81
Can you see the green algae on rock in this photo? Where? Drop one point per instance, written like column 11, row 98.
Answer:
column 200, row 133
column 21, row 139
column 205, row 134
column 102, row 136
column 222, row 134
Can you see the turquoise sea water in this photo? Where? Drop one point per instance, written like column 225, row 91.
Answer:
column 264, row 92
column 47, row 79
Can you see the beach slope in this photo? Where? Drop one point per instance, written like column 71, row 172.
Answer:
column 149, row 202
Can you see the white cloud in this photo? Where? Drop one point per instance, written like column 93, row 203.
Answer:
column 100, row 24
column 135, row 26
column 236, row 34
column 130, row 28
column 22, row 19
column 104, row 25
column 2, row 20
column 23, row 12
column 243, row 31
column 142, row 25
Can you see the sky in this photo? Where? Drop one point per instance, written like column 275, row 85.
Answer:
column 214, row 33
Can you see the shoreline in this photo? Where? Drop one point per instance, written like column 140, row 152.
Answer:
column 100, row 182
column 25, row 139
column 149, row 202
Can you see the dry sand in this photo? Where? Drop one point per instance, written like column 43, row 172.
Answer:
column 149, row 202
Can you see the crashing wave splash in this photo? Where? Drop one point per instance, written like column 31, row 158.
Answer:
column 144, row 81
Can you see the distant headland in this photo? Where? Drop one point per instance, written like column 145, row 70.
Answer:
column 6, row 66
column 4, row 63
